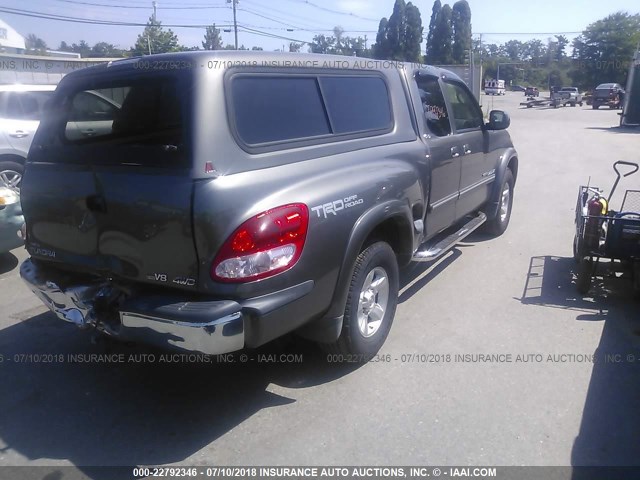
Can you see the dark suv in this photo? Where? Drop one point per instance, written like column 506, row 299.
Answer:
column 227, row 198
column 610, row 94
column 531, row 92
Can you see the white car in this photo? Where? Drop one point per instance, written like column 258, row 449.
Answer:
column 21, row 108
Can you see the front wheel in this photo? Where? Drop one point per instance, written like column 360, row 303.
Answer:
column 371, row 304
column 10, row 174
column 498, row 225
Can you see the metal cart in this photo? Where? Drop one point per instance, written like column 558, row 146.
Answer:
column 605, row 233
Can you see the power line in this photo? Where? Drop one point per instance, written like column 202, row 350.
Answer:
column 337, row 12
column 139, row 7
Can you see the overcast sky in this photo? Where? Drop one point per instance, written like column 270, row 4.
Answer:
column 498, row 20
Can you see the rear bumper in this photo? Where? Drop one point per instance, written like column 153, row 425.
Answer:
column 178, row 322
column 210, row 327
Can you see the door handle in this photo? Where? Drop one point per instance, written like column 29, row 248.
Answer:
column 96, row 203
column 466, row 149
column 454, row 152
column 88, row 132
column 18, row 134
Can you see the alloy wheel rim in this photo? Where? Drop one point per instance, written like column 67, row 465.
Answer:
column 373, row 302
column 10, row 179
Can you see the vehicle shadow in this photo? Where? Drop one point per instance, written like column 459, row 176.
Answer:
column 414, row 277
column 127, row 408
column 8, row 261
column 616, row 129
column 610, row 422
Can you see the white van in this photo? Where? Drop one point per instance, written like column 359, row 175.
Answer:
column 494, row 87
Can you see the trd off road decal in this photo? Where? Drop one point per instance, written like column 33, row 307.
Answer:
column 332, row 208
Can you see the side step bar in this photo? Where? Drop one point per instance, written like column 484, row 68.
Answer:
column 427, row 253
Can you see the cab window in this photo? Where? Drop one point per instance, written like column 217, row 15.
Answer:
column 464, row 108
column 436, row 117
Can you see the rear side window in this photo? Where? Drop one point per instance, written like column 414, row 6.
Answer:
column 356, row 104
column 141, row 112
column 270, row 109
column 24, row 105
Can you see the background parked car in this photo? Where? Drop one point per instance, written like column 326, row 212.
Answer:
column 531, row 92
column 21, row 108
column 11, row 220
column 517, row 88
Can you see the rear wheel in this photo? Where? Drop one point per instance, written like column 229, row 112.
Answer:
column 10, row 174
column 498, row 225
column 371, row 304
column 594, row 106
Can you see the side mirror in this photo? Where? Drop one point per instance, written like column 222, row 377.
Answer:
column 498, row 120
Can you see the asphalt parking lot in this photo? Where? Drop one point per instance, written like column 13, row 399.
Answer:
column 563, row 389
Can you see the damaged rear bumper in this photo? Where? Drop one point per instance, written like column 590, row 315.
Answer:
column 210, row 327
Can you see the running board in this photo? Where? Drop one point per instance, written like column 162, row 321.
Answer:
column 426, row 253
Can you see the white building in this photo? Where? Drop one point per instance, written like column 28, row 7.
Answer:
column 10, row 40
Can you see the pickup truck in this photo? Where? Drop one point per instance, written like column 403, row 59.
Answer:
column 570, row 96
column 230, row 198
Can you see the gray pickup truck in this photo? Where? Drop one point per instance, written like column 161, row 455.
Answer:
column 220, row 200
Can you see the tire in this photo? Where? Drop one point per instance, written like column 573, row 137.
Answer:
column 573, row 104
column 594, row 106
column 11, row 174
column 577, row 247
column 580, row 103
column 583, row 280
column 362, row 334
column 498, row 225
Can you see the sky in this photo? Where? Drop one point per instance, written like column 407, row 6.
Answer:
column 299, row 20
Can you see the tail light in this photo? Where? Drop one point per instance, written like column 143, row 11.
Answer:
column 267, row 244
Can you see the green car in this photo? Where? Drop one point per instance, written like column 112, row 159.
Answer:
column 11, row 220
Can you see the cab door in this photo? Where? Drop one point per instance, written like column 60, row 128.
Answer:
column 476, row 171
column 442, row 154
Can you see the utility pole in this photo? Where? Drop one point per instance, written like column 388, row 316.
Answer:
column 235, row 23
column 155, row 5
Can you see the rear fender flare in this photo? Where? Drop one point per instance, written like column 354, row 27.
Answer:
column 362, row 229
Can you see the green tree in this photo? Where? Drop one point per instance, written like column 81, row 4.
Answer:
column 561, row 45
column 412, row 34
column 212, row 39
column 155, row 39
column 429, row 53
column 381, row 47
column 443, row 38
column 396, row 31
column 104, row 49
column 293, row 47
column 604, row 50
column 35, row 45
column 461, row 23
column 323, row 44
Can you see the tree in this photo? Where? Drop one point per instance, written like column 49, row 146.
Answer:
column 429, row 53
column 154, row 39
column 381, row 47
column 104, row 49
column 604, row 50
column 395, row 31
column 412, row 34
column 259, row 49
column 35, row 45
column 461, row 23
column 323, row 44
column 293, row 47
column 443, row 38
column 212, row 39
column 561, row 43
